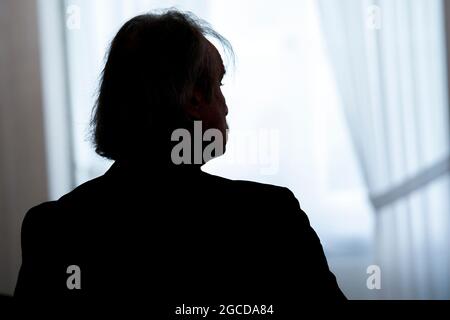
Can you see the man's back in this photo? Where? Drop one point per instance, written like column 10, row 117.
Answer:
column 174, row 236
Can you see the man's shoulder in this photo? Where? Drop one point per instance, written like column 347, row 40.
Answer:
column 39, row 221
column 250, row 186
column 49, row 212
column 93, row 188
column 257, row 193
column 40, row 211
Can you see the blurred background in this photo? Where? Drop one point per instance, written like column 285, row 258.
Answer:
column 344, row 102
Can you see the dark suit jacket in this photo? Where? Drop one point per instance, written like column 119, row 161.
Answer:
column 174, row 235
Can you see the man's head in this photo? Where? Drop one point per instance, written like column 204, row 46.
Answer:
column 161, row 74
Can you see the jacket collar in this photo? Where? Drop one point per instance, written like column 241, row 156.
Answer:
column 144, row 168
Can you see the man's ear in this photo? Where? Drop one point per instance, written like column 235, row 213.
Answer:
column 193, row 109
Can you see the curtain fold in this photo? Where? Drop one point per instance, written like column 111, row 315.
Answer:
column 389, row 58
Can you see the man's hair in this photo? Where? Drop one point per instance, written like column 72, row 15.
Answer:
column 153, row 64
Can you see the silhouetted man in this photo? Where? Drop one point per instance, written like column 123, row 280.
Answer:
column 154, row 227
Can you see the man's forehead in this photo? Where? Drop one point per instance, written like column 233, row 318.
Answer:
column 217, row 58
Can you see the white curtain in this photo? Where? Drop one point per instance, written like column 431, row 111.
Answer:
column 389, row 58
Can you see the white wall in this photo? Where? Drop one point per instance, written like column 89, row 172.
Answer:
column 23, row 177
